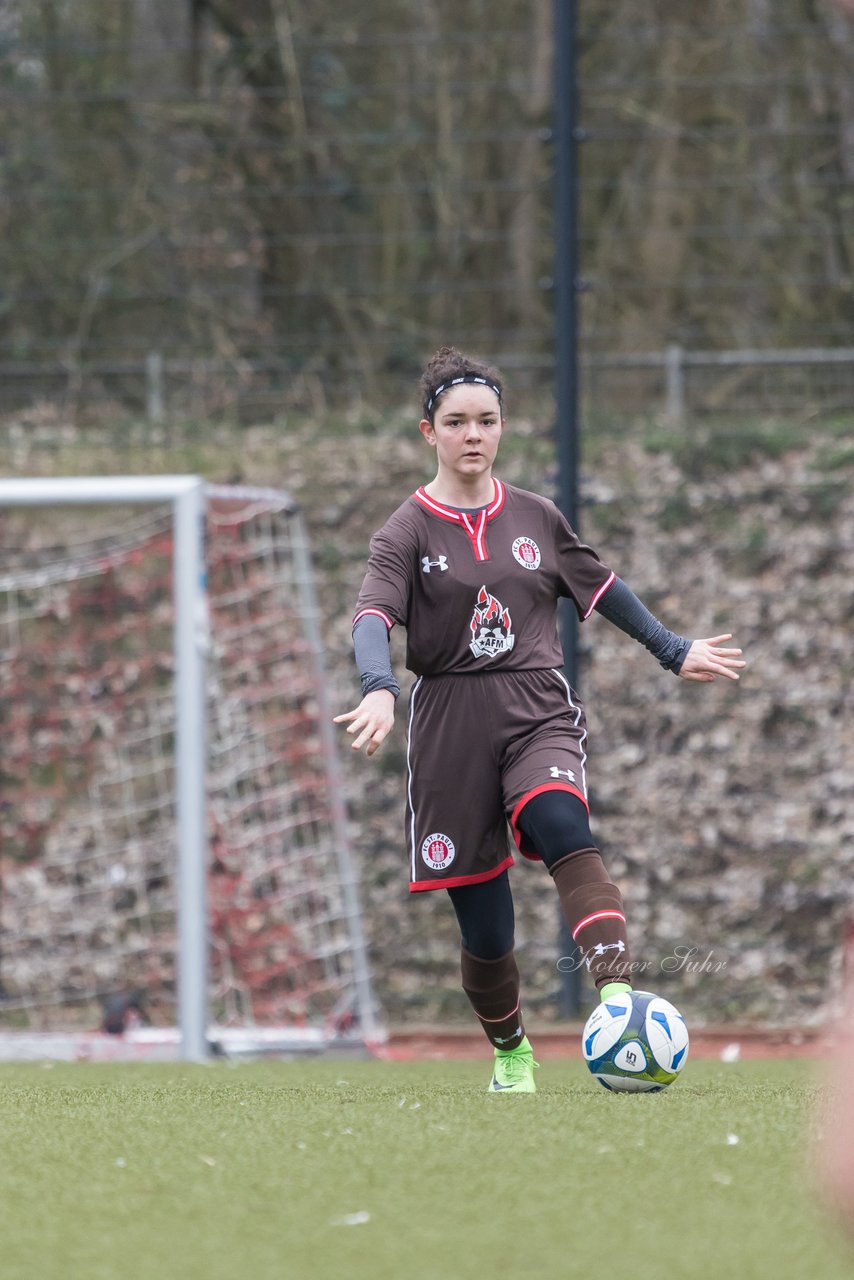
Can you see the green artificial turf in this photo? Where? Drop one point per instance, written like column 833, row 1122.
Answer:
column 359, row 1169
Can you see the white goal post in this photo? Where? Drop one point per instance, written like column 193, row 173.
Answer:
column 242, row 742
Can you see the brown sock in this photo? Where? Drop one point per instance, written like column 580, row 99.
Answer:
column 593, row 909
column 492, row 986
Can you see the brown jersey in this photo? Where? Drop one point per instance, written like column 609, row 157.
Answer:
column 479, row 592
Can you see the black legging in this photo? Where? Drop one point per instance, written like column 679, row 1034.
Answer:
column 555, row 823
column 485, row 915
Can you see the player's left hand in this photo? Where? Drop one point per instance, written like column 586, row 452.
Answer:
column 706, row 660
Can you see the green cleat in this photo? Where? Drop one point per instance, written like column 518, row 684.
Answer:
column 514, row 1070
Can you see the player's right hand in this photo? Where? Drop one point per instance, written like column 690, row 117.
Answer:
column 372, row 721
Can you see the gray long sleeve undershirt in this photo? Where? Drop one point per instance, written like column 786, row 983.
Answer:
column 373, row 655
column 619, row 605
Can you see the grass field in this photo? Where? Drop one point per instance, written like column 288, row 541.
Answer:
column 359, row 1169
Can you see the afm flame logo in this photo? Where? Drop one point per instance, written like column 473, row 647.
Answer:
column 490, row 627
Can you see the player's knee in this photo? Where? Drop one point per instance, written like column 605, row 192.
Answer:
column 487, row 942
column 556, row 824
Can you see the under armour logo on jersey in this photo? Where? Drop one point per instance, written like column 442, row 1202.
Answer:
column 562, row 773
column 427, row 564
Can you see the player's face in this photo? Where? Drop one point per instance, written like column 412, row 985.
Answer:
column 465, row 430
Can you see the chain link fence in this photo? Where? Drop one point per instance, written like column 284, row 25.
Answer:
column 674, row 385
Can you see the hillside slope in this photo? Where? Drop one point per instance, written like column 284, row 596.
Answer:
column 724, row 811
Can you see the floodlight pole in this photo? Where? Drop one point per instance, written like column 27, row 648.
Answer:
column 566, row 285
column 566, row 290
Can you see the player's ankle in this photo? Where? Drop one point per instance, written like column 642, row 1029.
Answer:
column 609, row 989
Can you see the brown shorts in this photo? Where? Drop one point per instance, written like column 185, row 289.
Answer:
column 479, row 748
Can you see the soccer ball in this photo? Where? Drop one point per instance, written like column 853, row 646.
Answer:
column 635, row 1042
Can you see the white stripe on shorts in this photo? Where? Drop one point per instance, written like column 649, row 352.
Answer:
column 415, row 689
column 583, row 739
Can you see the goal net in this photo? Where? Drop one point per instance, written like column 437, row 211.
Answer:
column 174, row 863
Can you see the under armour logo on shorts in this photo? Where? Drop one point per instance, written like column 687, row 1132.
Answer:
column 562, row 773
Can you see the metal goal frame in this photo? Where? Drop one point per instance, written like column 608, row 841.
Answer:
column 188, row 495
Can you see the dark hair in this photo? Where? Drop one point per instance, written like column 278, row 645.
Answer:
column 448, row 364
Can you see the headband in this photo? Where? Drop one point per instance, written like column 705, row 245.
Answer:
column 455, row 382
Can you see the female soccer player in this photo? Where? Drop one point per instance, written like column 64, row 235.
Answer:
column 473, row 569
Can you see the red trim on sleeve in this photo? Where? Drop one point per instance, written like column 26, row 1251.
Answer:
column 417, row 886
column 376, row 613
column 609, row 582
column 529, row 795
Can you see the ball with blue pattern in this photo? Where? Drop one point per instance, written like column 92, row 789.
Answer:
column 635, row 1042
